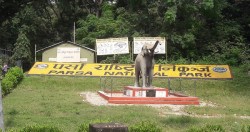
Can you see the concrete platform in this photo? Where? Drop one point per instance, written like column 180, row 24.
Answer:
column 169, row 98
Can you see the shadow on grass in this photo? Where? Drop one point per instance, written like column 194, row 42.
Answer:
column 179, row 121
column 10, row 121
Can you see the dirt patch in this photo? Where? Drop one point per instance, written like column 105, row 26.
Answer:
column 164, row 109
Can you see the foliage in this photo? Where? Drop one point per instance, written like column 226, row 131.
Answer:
column 22, row 48
column 245, row 128
column 145, row 126
column 7, row 86
column 17, row 72
column 208, row 128
column 38, row 128
column 195, row 30
column 124, row 59
column 11, row 79
column 121, row 59
column 245, row 67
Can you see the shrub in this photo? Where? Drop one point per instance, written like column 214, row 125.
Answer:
column 124, row 59
column 145, row 127
column 38, row 128
column 179, row 61
column 108, row 60
column 245, row 67
column 208, row 128
column 245, row 128
column 18, row 72
column 7, row 85
column 11, row 79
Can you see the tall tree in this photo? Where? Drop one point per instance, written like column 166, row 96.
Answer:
column 22, row 49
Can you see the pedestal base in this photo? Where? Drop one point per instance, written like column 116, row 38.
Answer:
column 145, row 92
column 156, row 95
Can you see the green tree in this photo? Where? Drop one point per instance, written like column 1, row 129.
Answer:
column 93, row 28
column 22, row 48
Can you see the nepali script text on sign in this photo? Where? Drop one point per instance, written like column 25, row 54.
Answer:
column 127, row 70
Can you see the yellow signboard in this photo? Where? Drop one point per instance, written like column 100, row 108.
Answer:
column 127, row 70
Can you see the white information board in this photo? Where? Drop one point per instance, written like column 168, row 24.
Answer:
column 68, row 54
column 112, row 46
column 140, row 41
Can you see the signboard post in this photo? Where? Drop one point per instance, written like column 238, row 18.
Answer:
column 1, row 108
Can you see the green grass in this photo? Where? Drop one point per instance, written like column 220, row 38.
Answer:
column 56, row 101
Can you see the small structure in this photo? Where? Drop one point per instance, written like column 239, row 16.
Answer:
column 67, row 52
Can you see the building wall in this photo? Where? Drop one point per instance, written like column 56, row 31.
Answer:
column 50, row 54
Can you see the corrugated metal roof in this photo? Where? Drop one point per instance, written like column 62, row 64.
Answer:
column 63, row 43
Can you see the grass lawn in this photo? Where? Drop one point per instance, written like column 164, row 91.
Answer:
column 56, row 101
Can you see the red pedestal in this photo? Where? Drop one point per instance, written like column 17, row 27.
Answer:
column 145, row 92
column 156, row 95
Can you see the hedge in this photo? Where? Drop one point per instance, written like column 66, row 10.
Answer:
column 11, row 79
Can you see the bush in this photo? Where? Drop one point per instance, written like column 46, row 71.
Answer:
column 18, row 72
column 208, row 128
column 11, row 79
column 245, row 128
column 40, row 129
column 245, row 68
column 7, row 85
column 120, row 59
column 145, row 127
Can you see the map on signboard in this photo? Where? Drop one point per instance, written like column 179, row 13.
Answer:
column 112, row 46
column 120, row 48
column 103, row 48
column 140, row 41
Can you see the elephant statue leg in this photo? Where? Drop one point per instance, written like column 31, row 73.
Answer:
column 144, row 80
column 137, row 77
column 144, row 76
column 150, row 78
column 137, row 73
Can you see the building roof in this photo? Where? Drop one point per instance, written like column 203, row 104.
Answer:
column 48, row 47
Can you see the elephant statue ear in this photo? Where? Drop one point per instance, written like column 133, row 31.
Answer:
column 142, row 53
column 143, row 50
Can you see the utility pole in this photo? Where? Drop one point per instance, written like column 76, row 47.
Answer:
column 1, row 108
column 35, row 52
column 74, row 32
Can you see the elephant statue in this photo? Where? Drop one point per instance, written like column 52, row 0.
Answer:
column 144, row 65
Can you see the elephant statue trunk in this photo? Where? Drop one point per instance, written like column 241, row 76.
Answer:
column 144, row 65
